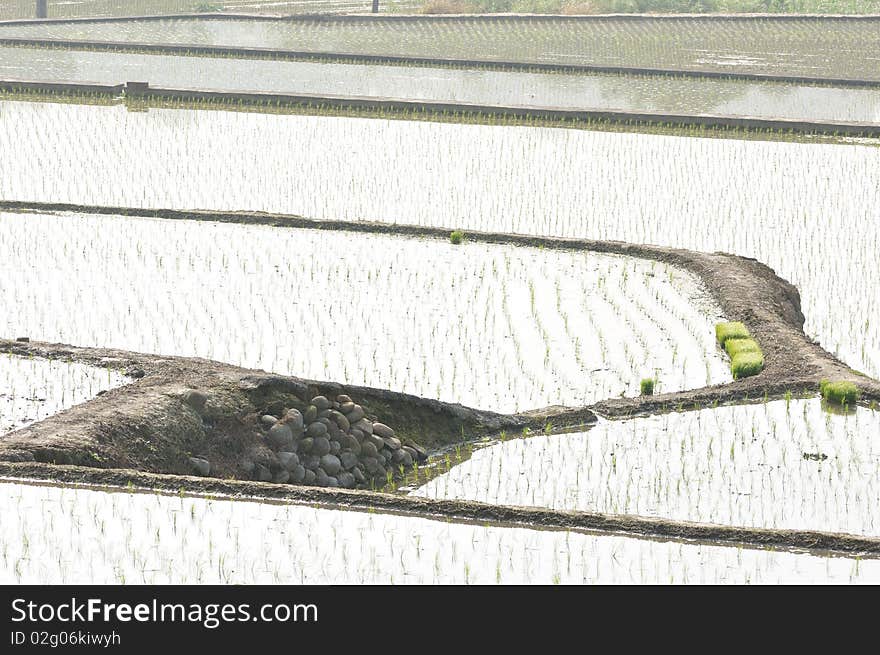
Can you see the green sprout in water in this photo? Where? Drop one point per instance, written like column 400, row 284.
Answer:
column 456, row 237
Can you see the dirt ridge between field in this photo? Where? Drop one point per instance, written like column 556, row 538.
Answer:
column 137, row 91
column 464, row 511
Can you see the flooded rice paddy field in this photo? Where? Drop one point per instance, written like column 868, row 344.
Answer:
column 15, row 9
column 635, row 93
column 780, row 465
column 70, row 536
column 32, row 389
column 498, row 327
column 807, row 47
column 780, row 202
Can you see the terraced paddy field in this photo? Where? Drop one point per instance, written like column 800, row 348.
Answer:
column 422, row 317
column 136, row 538
column 632, row 93
column 809, row 47
column 759, row 198
column 782, row 464
column 33, row 389
column 413, row 347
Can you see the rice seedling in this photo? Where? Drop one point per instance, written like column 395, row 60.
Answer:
column 796, row 47
column 456, row 237
column 631, row 324
column 746, row 364
column 607, row 91
column 646, row 387
column 342, row 547
column 840, row 392
column 730, row 330
column 594, row 185
column 32, row 389
column 733, row 465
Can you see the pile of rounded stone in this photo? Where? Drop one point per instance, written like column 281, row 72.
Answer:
column 333, row 444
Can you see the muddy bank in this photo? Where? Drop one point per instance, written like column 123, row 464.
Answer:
column 176, row 408
column 464, row 511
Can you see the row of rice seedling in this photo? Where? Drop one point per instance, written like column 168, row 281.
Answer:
column 746, row 358
column 32, row 389
column 75, row 536
column 643, row 188
column 781, row 464
column 814, row 48
column 495, row 326
column 675, row 95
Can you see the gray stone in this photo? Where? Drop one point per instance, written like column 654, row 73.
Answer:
column 346, row 407
column 321, row 447
column 306, row 445
column 321, row 402
column 376, row 440
column 248, row 466
column 407, row 458
column 332, row 481
column 392, row 442
column 355, row 415
column 324, row 413
column 335, row 447
column 397, row 456
column 279, row 435
column 281, row 477
column 420, row 453
column 383, row 430
column 268, row 420
column 321, row 478
column 311, row 414
column 346, row 480
column 262, row 473
column 342, row 398
column 309, row 477
column 195, row 399
column 288, row 460
column 341, row 422
column 412, row 452
column 352, row 444
column 200, row 465
column 348, row 460
column 358, row 475
column 368, row 449
column 357, row 434
column 331, row 464
column 316, row 429
column 364, row 426
column 311, row 462
column 371, row 465
column 294, row 418
column 298, row 474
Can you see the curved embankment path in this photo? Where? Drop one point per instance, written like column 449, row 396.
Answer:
column 143, row 431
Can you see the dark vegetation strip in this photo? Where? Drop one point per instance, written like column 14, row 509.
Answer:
column 273, row 54
column 455, row 510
